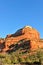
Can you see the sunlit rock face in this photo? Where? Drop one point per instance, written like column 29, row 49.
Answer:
column 26, row 33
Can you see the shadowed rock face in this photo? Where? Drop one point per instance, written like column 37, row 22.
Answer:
column 26, row 33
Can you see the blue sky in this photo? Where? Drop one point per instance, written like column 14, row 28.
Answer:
column 15, row 14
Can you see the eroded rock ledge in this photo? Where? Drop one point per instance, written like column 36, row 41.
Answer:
column 26, row 33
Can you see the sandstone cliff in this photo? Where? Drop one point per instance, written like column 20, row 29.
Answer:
column 27, row 34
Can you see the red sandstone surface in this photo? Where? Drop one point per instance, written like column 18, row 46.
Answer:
column 26, row 33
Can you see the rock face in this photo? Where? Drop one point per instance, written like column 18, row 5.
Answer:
column 27, row 34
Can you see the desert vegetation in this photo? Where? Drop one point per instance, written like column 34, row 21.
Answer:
column 15, row 57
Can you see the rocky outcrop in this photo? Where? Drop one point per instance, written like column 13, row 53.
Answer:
column 28, row 34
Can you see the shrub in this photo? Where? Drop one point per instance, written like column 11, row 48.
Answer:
column 22, row 60
column 28, row 60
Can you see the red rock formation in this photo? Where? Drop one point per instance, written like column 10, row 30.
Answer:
column 27, row 33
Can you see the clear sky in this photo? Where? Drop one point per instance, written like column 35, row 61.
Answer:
column 15, row 14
